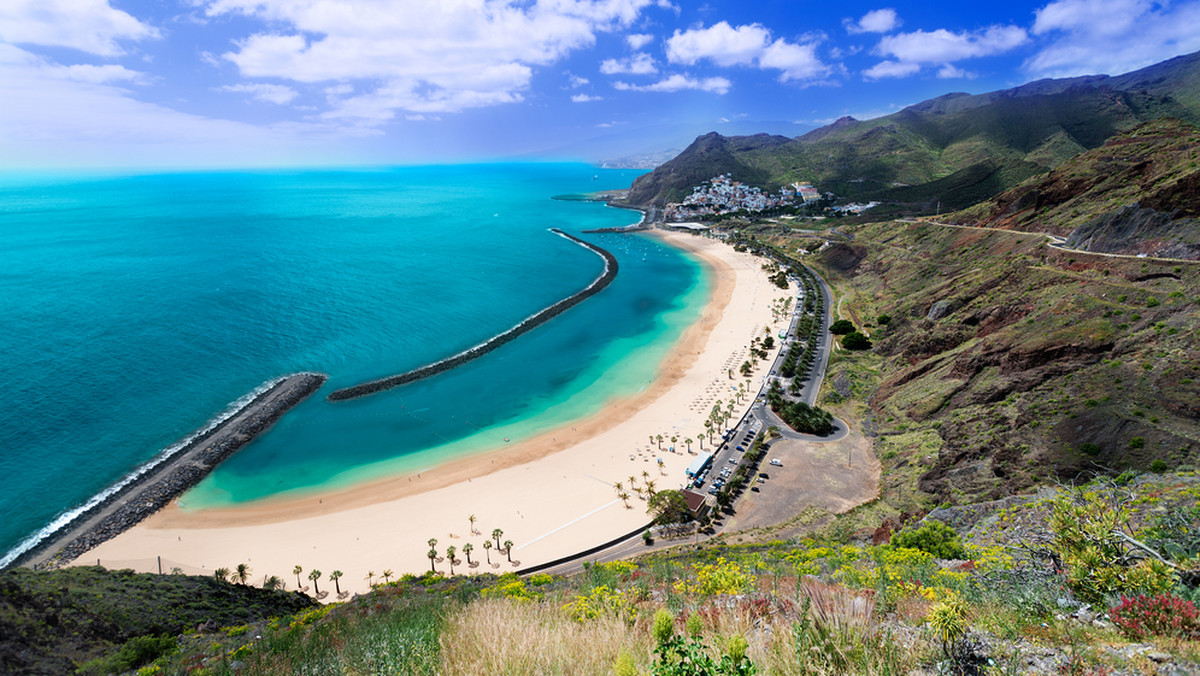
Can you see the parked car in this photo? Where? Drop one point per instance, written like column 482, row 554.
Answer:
column 775, row 461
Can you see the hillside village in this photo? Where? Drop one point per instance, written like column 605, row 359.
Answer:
column 722, row 195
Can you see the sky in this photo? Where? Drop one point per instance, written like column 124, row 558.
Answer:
column 267, row 83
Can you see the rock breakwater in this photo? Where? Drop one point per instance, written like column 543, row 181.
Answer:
column 530, row 323
column 137, row 497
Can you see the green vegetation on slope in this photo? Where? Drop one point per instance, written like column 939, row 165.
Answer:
column 53, row 621
column 1007, row 363
column 820, row 604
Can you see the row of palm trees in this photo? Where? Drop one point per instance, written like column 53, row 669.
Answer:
column 467, row 548
column 241, row 575
column 647, row 487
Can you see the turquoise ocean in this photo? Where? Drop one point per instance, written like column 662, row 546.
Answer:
column 139, row 308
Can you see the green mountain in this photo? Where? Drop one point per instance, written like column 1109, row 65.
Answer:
column 1139, row 193
column 957, row 149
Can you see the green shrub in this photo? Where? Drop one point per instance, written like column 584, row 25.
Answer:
column 137, row 652
column 1137, row 442
column 1158, row 466
column 883, row 320
column 1089, row 448
column 856, row 341
column 1090, row 534
column 841, row 327
column 932, row 537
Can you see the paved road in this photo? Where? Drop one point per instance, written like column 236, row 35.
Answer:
column 1055, row 241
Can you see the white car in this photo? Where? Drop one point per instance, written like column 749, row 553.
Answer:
column 775, row 461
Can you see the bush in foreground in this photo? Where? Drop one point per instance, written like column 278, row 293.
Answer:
column 1162, row 615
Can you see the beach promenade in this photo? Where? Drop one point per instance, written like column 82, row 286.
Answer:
column 551, row 496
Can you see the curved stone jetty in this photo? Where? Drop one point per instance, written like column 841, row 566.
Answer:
column 150, row 491
column 531, row 322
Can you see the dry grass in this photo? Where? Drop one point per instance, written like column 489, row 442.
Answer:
column 503, row 636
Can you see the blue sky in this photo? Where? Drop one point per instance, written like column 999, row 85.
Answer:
column 233, row 83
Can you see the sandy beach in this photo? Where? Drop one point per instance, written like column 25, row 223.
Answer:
column 552, row 495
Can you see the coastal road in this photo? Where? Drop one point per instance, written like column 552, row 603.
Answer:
column 1055, row 241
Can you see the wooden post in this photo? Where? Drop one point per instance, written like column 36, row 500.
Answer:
column 160, row 565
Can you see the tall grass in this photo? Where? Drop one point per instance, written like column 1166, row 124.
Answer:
column 506, row 636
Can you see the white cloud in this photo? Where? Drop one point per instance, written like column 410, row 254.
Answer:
column 875, row 21
column 720, row 43
column 427, row 55
column 576, row 81
column 638, row 40
column 269, row 93
column 585, row 98
column 798, row 62
column 677, row 82
column 942, row 46
column 638, row 64
column 910, row 52
column 86, row 25
column 891, row 69
column 748, row 45
column 1111, row 36
column 952, row 72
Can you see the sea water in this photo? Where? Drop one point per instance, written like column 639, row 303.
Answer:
column 136, row 308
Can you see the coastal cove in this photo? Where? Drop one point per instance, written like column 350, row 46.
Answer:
column 192, row 302
column 552, row 494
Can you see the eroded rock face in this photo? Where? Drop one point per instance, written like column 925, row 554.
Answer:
column 1134, row 229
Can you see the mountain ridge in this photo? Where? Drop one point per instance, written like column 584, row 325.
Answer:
column 1013, row 133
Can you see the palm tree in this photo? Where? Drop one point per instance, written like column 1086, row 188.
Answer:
column 272, row 582
column 221, row 574
column 450, row 551
column 708, row 425
column 624, row 497
column 496, row 533
column 471, row 518
column 650, row 488
column 297, row 570
column 645, row 475
column 659, row 438
column 387, row 575
column 618, row 487
column 335, row 575
column 370, row 578
column 432, row 543
column 467, row 552
column 651, row 438
column 688, row 441
column 673, row 440
column 508, row 549
column 315, row 575
column 487, row 550
column 242, row 573
column 432, row 554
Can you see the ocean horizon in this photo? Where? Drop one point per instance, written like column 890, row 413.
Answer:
column 142, row 306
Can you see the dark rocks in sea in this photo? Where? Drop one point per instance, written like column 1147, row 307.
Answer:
column 598, row 285
column 152, row 491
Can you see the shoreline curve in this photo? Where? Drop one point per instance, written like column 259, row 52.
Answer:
column 155, row 484
column 524, row 326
